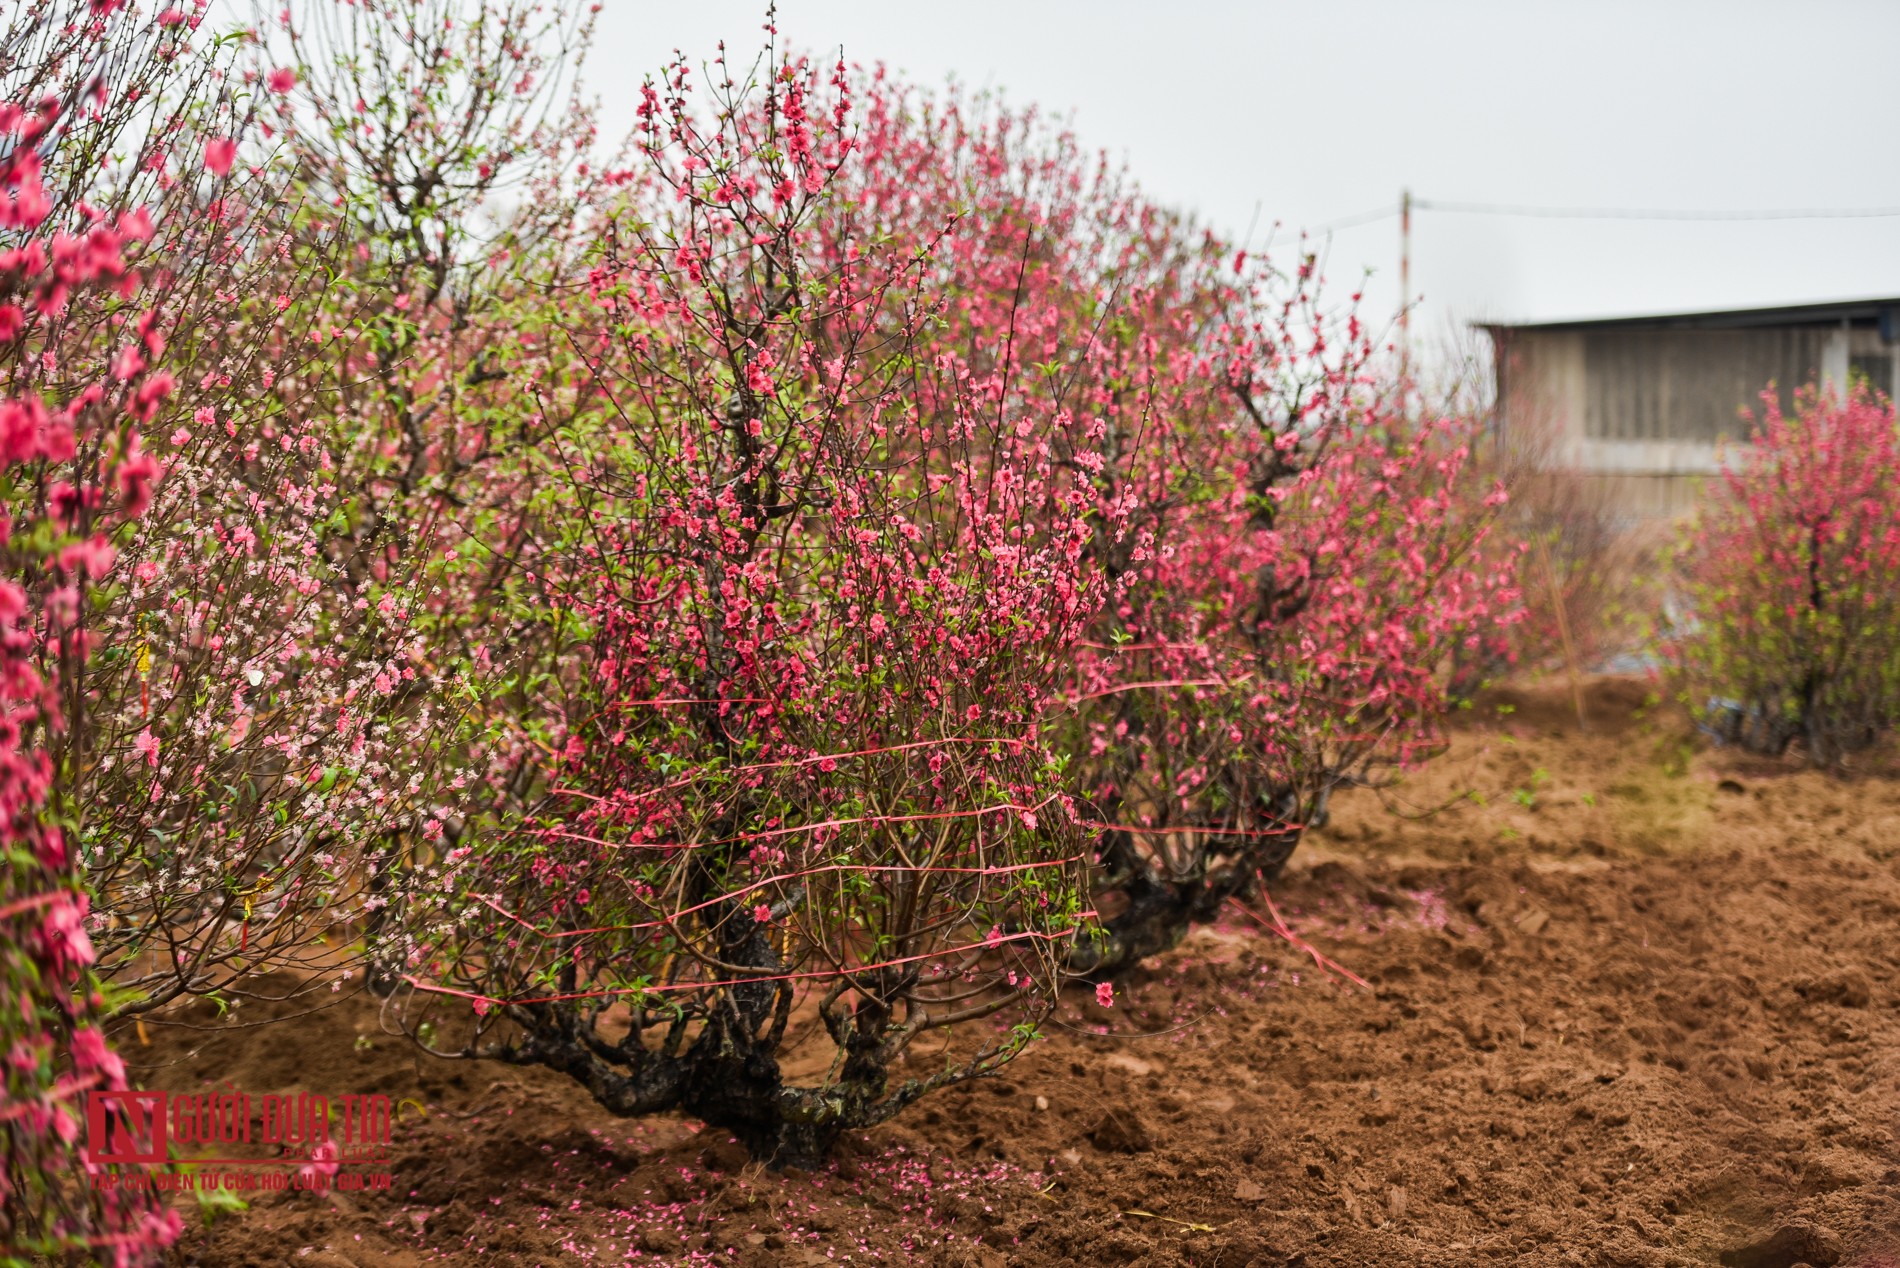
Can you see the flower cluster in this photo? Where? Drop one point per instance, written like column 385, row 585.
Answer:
column 1292, row 562
column 74, row 474
column 812, row 613
column 1792, row 580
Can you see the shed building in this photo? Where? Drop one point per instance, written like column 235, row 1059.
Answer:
column 1642, row 405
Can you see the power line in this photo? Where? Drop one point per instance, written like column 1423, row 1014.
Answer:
column 1654, row 213
column 1389, row 211
column 1361, row 218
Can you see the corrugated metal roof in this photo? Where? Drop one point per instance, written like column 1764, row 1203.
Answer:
column 1859, row 312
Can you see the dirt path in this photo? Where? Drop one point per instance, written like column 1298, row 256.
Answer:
column 1640, row 1007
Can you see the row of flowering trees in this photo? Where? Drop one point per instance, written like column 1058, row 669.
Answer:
column 832, row 568
column 965, row 576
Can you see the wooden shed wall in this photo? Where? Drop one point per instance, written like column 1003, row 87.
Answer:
column 1691, row 385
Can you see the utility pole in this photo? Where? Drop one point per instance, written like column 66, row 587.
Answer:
column 1405, row 297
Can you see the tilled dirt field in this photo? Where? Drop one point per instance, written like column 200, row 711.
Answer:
column 1640, row 1005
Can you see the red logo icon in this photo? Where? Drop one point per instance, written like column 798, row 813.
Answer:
column 126, row 1127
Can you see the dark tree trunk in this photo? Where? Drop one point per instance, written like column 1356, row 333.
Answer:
column 745, row 1093
column 1160, row 912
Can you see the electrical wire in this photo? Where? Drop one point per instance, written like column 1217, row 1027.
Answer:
column 1652, row 213
column 1361, row 218
column 1376, row 214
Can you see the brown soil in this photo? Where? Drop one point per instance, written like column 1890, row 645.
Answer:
column 1638, row 1005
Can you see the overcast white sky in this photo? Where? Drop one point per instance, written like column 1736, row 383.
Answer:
column 1315, row 111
